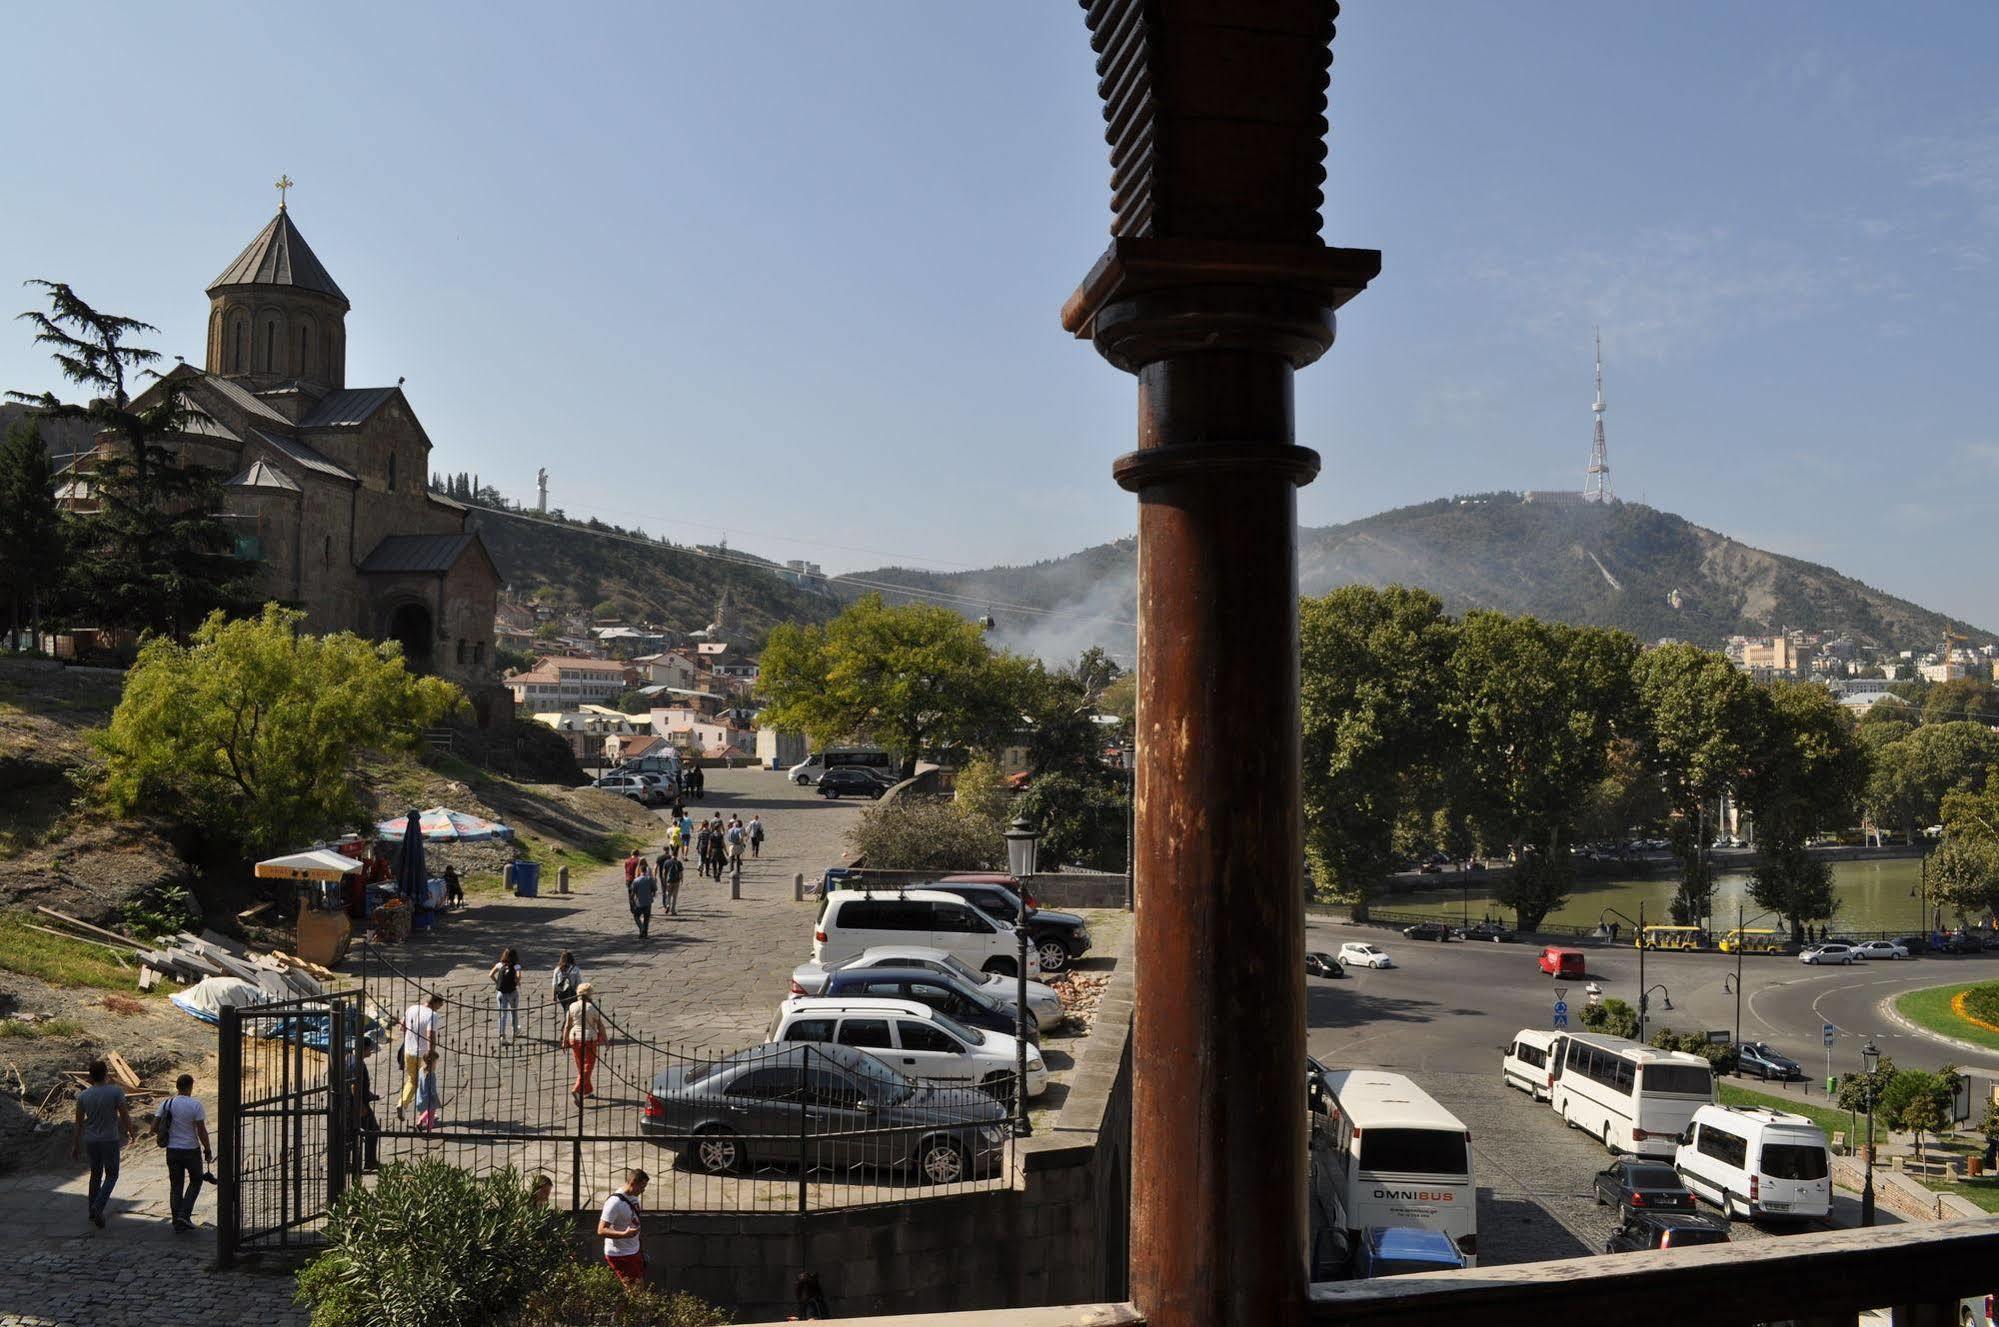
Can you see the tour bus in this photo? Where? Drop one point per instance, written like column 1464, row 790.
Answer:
column 1633, row 1097
column 1672, row 937
column 1395, row 1157
column 1753, row 941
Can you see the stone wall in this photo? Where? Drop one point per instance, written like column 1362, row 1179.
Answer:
column 1901, row 1194
column 1057, row 1234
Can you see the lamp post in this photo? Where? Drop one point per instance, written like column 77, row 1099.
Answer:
column 1870, row 1056
column 1639, row 925
column 1739, row 924
column 1645, row 1002
column 1022, row 844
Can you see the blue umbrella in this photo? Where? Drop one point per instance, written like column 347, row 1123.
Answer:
column 410, row 875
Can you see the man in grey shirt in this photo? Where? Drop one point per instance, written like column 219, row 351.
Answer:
column 102, row 1125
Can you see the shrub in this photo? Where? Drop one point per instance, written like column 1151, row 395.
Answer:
column 590, row 1295
column 906, row 833
column 430, row 1245
column 1613, row 1018
column 1722, row 1056
column 1982, row 1002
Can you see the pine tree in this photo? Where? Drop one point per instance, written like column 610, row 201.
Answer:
column 31, row 531
column 155, row 555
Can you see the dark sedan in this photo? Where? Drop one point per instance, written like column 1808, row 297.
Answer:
column 1666, row 1230
column 829, row 1106
column 1059, row 937
column 1634, row 1184
column 1757, row 1057
column 1491, row 931
column 848, row 781
column 1429, row 931
column 939, row 991
column 1320, row 964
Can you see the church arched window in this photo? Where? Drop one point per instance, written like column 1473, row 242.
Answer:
column 270, row 347
column 327, row 557
column 392, row 472
column 303, row 365
column 238, row 352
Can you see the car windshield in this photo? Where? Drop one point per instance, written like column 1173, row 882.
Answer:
column 1793, row 1161
column 971, row 1036
column 1651, row 1177
column 963, row 971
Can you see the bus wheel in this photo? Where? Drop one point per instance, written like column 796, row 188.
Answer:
column 1609, row 1146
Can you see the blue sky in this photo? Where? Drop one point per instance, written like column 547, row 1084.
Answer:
column 792, row 271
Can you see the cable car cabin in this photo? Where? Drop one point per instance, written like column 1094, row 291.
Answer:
column 1673, row 937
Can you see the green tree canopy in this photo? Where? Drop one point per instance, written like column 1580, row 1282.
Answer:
column 1912, row 775
column 250, row 730
column 1811, row 773
column 1964, row 870
column 908, row 677
column 1962, row 699
column 31, row 531
column 1371, row 692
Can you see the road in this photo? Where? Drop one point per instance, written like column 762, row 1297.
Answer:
column 1444, row 1015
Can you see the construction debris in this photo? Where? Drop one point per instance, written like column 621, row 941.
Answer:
column 187, row 959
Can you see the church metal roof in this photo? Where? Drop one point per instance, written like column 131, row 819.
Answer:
column 308, row 457
column 347, row 408
column 263, row 475
column 279, row 256
column 417, row 552
column 244, row 399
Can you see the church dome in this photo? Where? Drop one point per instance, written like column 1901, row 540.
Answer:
column 279, row 256
column 276, row 319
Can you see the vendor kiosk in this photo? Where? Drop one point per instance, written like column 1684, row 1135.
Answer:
column 320, row 875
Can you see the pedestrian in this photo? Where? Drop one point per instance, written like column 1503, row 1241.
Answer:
column 702, row 847
column 671, row 884
column 632, row 861
column 673, row 839
column 619, row 1225
column 643, row 889
column 102, row 1124
column 429, row 1101
column 562, row 983
column 583, row 1033
column 543, row 1190
column 454, row 889
column 506, row 978
column 686, row 823
column 733, row 836
column 363, row 1129
column 756, row 835
column 419, row 1025
column 182, row 1127
column 811, row 1299
column 700, row 782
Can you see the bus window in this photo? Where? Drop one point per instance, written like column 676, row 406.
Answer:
column 1413, row 1151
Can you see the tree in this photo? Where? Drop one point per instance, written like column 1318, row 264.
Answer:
column 1811, row 773
column 153, row 555
column 1094, row 670
column 31, row 531
column 1914, row 774
column 1120, row 698
column 1919, row 1102
column 1613, row 1018
column 1080, row 816
column 1960, row 700
column 1702, row 724
column 250, row 731
column 1964, row 870
column 981, row 790
column 908, row 677
column 1534, row 707
column 909, row 833
column 1371, row 689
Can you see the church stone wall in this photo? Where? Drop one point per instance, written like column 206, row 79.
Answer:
column 471, row 598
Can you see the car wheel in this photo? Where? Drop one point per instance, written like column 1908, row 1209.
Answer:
column 941, row 1161
column 1054, row 955
column 1000, row 967
column 802, row 781
column 717, row 1151
column 830, row 792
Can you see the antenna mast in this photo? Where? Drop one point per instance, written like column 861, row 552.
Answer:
column 1596, row 482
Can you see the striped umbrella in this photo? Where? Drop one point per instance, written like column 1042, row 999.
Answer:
column 441, row 824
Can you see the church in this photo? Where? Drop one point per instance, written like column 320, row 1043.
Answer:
column 329, row 484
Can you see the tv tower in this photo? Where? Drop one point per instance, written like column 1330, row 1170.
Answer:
column 1596, row 482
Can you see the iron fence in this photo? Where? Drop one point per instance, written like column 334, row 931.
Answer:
column 1397, row 919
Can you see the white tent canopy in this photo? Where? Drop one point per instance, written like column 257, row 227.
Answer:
column 313, row 864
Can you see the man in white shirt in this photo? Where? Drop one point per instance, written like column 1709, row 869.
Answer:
column 188, row 1152
column 419, row 1025
column 619, row 1225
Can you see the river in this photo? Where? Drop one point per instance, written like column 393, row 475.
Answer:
column 1879, row 895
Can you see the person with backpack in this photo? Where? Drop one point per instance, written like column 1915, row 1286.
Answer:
column 641, row 893
column 562, row 983
column 506, row 978
column 619, row 1226
column 703, row 846
column 756, row 835
column 181, row 1129
column 670, row 879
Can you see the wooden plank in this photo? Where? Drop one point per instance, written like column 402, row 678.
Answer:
column 77, row 939
column 64, row 917
column 121, row 1071
column 149, row 976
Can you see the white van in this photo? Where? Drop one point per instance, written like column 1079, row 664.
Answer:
column 1396, row 1157
column 911, row 1038
column 809, row 770
column 852, row 920
column 1757, row 1162
column 1529, row 1063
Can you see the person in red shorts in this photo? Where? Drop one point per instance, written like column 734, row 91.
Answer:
column 583, row 1033
column 619, row 1225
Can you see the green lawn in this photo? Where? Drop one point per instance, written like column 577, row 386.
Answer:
column 1930, row 1008
column 1831, row 1120
column 1983, row 1191
column 61, row 962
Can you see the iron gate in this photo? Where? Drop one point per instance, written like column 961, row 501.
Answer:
column 288, row 1145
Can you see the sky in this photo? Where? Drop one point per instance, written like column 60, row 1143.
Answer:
column 790, row 273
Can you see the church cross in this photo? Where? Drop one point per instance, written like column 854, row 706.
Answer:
column 284, row 183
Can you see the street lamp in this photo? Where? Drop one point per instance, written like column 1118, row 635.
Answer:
column 1870, row 1056
column 1645, row 1003
column 1739, row 924
column 1639, row 927
column 1022, row 844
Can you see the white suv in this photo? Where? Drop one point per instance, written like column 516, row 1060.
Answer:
column 912, row 1039
column 1828, row 953
column 852, row 920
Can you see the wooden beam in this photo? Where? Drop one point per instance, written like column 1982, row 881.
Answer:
column 124, row 940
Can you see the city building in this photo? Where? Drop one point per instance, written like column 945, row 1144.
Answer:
column 565, row 681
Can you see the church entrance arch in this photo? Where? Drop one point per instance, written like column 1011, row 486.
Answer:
column 410, row 626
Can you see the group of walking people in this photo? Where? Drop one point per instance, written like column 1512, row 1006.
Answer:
column 101, row 1126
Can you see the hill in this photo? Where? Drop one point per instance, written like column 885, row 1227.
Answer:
column 580, row 565
column 1625, row 565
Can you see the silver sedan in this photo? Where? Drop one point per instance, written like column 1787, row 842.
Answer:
column 1043, row 1002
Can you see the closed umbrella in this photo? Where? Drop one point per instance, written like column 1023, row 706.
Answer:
column 410, row 874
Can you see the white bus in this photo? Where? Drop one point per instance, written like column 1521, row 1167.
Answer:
column 1394, row 1156
column 1633, row 1097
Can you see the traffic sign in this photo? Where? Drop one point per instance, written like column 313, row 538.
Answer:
column 1830, row 1032
column 1561, row 1020
column 1561, row 1009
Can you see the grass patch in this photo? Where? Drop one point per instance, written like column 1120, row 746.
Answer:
column 1830, row 1119
column 61, row 962
column 1984, row 1191
column 1930, row 1008
column 65, row 1028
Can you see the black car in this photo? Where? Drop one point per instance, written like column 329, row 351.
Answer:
column 1428, row 931
column 1492, row 931
column 939, row 990
column 1963, row 942
column 1666, row 1230
column 826, row 1106
column 850, row 781
column 1320, row 964
column 1915, row 944
column 1059, row 937
column 1757, row 1057
column 1635, row 1184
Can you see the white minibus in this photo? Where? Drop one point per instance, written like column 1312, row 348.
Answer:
column 1529, row 1063
column 1758, row 1162
column 1395, row 1157
column 1635, row 1098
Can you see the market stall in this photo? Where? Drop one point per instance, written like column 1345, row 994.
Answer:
column 321, row 877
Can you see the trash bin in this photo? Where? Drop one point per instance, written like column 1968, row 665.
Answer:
column 527, row 878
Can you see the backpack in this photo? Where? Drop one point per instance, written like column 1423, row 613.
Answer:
column 163, row 1122
column 509, row 979
column 673, row 871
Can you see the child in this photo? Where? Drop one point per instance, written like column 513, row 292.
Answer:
column 454, row 889
column 428, row 1101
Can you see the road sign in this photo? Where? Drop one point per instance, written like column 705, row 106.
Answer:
column 1561, row 1020
column 1561, row 1009
column 1561, row 994
column 1830, row 1033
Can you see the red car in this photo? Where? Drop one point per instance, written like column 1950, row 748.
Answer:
column 1559, row 962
